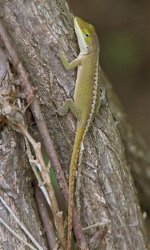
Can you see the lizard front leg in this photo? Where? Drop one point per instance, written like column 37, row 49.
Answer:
column 69, row 65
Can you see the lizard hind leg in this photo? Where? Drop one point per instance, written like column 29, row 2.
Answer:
column 68, row 104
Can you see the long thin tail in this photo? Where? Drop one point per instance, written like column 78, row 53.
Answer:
column 73, row 166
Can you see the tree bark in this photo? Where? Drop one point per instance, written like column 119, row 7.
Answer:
column 107, row 195
column 16, row 190
column 136, row 150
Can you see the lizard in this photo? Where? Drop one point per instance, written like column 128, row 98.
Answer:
column 86, row 99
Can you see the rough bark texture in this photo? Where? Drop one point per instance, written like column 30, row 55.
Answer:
column 137, row 152
column 16, row 190
column 108, row 198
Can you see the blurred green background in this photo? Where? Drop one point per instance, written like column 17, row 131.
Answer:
column 123, row 27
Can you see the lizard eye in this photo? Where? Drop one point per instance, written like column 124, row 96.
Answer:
column 85, row 35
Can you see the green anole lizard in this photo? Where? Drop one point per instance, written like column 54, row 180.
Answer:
column 86, row 98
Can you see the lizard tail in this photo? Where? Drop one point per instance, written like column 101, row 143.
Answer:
column 73, row 166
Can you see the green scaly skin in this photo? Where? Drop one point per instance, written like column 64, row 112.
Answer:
column 86, row 98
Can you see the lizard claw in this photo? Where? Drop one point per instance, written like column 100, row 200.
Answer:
column 60, row 54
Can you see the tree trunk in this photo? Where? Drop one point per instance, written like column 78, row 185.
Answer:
column 109, row 206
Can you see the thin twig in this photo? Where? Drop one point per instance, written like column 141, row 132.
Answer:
column 33, row 164
column 21, row 225
column 16, row 235
column 43, row 130
column 58, row 216
column 16, row 120
column 45, row 218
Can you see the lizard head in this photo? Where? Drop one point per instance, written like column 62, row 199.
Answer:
column 86, row 34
